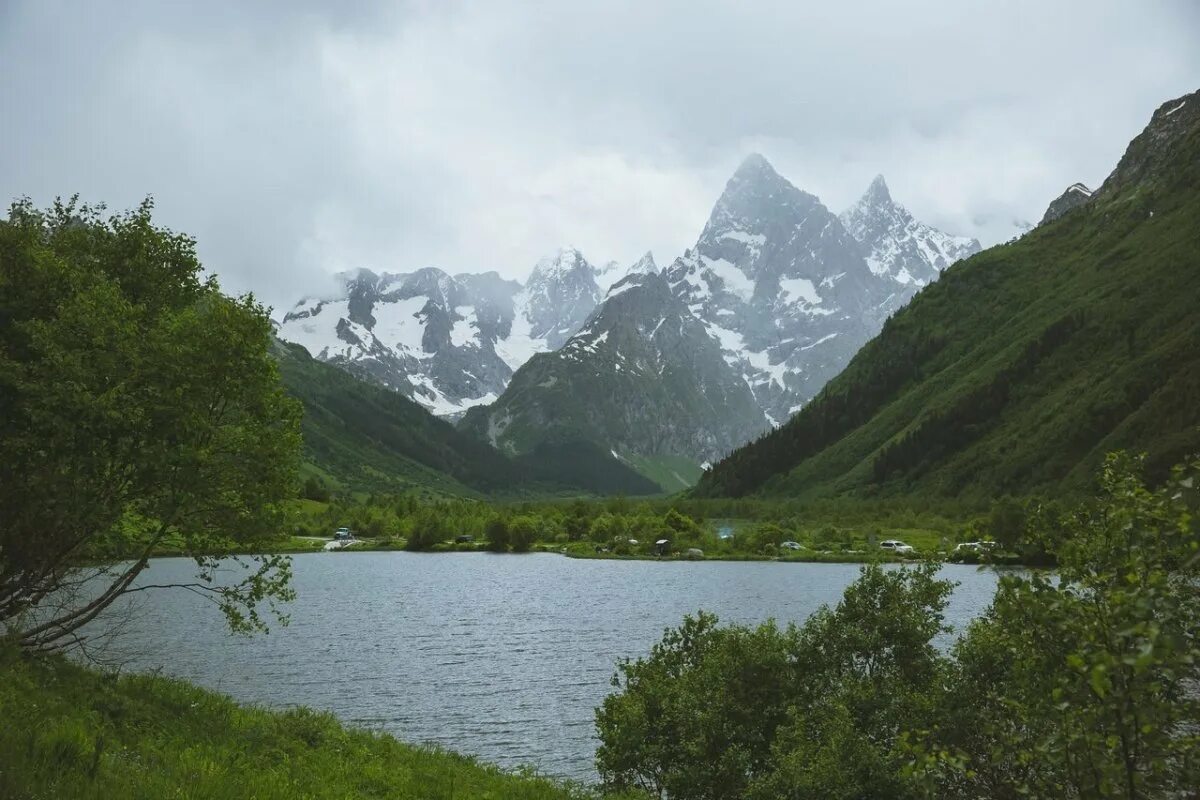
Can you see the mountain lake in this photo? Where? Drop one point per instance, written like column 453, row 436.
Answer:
column 504, row 657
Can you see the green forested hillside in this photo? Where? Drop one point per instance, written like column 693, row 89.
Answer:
column 363, row 436
column 366, row 436
column 1020, row 367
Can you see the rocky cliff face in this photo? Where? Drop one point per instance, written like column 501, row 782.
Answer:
column 780, row 284
column 1076, row 195
column 643, row 376
column 900, row 248
column 731, row 338
column 1154, row 153
column 735, row 335
column 791, row 291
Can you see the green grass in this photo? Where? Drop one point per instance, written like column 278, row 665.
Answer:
column 69, row 732
column 672, row 473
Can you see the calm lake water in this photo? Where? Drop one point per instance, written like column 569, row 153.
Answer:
column 501, row 656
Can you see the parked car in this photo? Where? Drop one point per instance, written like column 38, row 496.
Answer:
column 792, row 546
column 896, row 546
column 342, row 533
column 974, row 547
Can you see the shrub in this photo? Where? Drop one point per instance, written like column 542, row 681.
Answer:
column 762, row 712
column 497, row 535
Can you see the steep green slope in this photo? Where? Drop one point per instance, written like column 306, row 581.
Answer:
column 368, row 437
column 673, row 473
column 1020, row 367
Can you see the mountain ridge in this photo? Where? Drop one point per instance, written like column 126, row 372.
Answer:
column 1020, row 367
column 771, row 302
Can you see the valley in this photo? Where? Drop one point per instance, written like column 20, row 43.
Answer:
column 697, row 358
column 327, row 470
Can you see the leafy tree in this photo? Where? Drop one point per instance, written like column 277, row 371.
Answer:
column 696, row 718
column 605, row 527
column 426, row 528
column 496, row 534
column 1082, row 684
column 315, row 489
column 870, row 671
column 522, row 531
column 138, row 405
column 762, row 712
column 1006, row 523
column 767, row 535
column 682, row 524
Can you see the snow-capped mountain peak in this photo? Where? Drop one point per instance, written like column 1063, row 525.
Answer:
column 900, row 247
column 559, row 295
column 753, row 197
column 644, row 266
column 877, row 193
column 563, row 262
column 449, row 342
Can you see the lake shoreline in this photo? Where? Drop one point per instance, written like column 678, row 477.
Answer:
column 91, row 724
column 811, row 557
column 505, row 659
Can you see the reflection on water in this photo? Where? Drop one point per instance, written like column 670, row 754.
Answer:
column 501, row 656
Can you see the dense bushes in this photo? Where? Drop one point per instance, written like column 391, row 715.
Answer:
column 630, row 528
column 1080, row 684
column 736, row 711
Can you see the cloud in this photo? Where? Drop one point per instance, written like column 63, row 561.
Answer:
column 298, row 139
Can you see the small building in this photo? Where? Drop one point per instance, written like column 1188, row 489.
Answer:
column 662, row 547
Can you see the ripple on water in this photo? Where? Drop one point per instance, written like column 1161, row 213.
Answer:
column 503, row 657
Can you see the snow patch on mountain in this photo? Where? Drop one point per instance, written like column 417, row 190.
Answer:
column 449, row 342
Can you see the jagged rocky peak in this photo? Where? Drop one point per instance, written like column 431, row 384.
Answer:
column 780, row 286
column 612, row 274
column 562, row 263
column 877, row 193
column 559, row 296
column 754, row 197
column 642, row 376
column 755, row 166
column 900, row 247
column 1154, row 152
column 644, row 265
column 1076, row 195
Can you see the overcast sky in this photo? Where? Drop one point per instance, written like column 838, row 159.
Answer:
column 299, row 138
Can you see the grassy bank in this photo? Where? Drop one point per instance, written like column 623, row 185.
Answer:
column 70, row 732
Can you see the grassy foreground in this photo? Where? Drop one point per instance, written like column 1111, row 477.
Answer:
column 70, row 732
